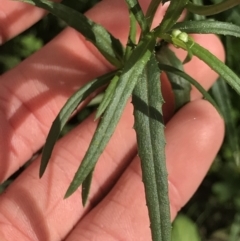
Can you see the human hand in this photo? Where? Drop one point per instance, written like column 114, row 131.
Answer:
column 32, row 94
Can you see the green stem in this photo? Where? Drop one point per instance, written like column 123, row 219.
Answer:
column 212, row 9
column 153, row 6
column 196, row 16
column 210, row 59
column 173, row 13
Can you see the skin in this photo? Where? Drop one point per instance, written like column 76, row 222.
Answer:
column 31, row 96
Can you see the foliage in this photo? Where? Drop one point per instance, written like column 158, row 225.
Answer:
column 215, row 206
column 23, row 46
column 181, row 224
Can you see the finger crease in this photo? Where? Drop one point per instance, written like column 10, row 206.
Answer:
column 26, row 106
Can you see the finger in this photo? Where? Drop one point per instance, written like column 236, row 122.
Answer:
column 15, row 17
column 193, row 136
column 32, row 94
column 34, row 209
column 198, row 69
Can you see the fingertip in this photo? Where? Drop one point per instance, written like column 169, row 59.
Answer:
column 195, row 135
column 15, row 17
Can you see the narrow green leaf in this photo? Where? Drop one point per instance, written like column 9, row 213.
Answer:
column 212, row 9
column 189, row 55
column 86, row 185
column 131, row 44
column 107, row 96
column 208, row 27
column 181, row 87
column 136, row 10
column 206, row 95
column 222, row 96
column 96, row 100
column 108, row 45
column 217, row 65
column 147, row 101
column 153, row 6
column 66, row 112
column 127, row 81
column 196, row 16
column 211, row 60
column 171, row 16
column 79, row 5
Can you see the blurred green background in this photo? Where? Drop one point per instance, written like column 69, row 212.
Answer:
column 213, row 213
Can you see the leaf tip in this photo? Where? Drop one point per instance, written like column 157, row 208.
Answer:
column 71, row 189
column 84, row 201
column 68, row 193
column 97, row 116
column 42, row 168
column 41, row 173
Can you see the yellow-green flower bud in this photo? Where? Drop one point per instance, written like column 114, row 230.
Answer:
column 183, row 36
column 176, row 32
